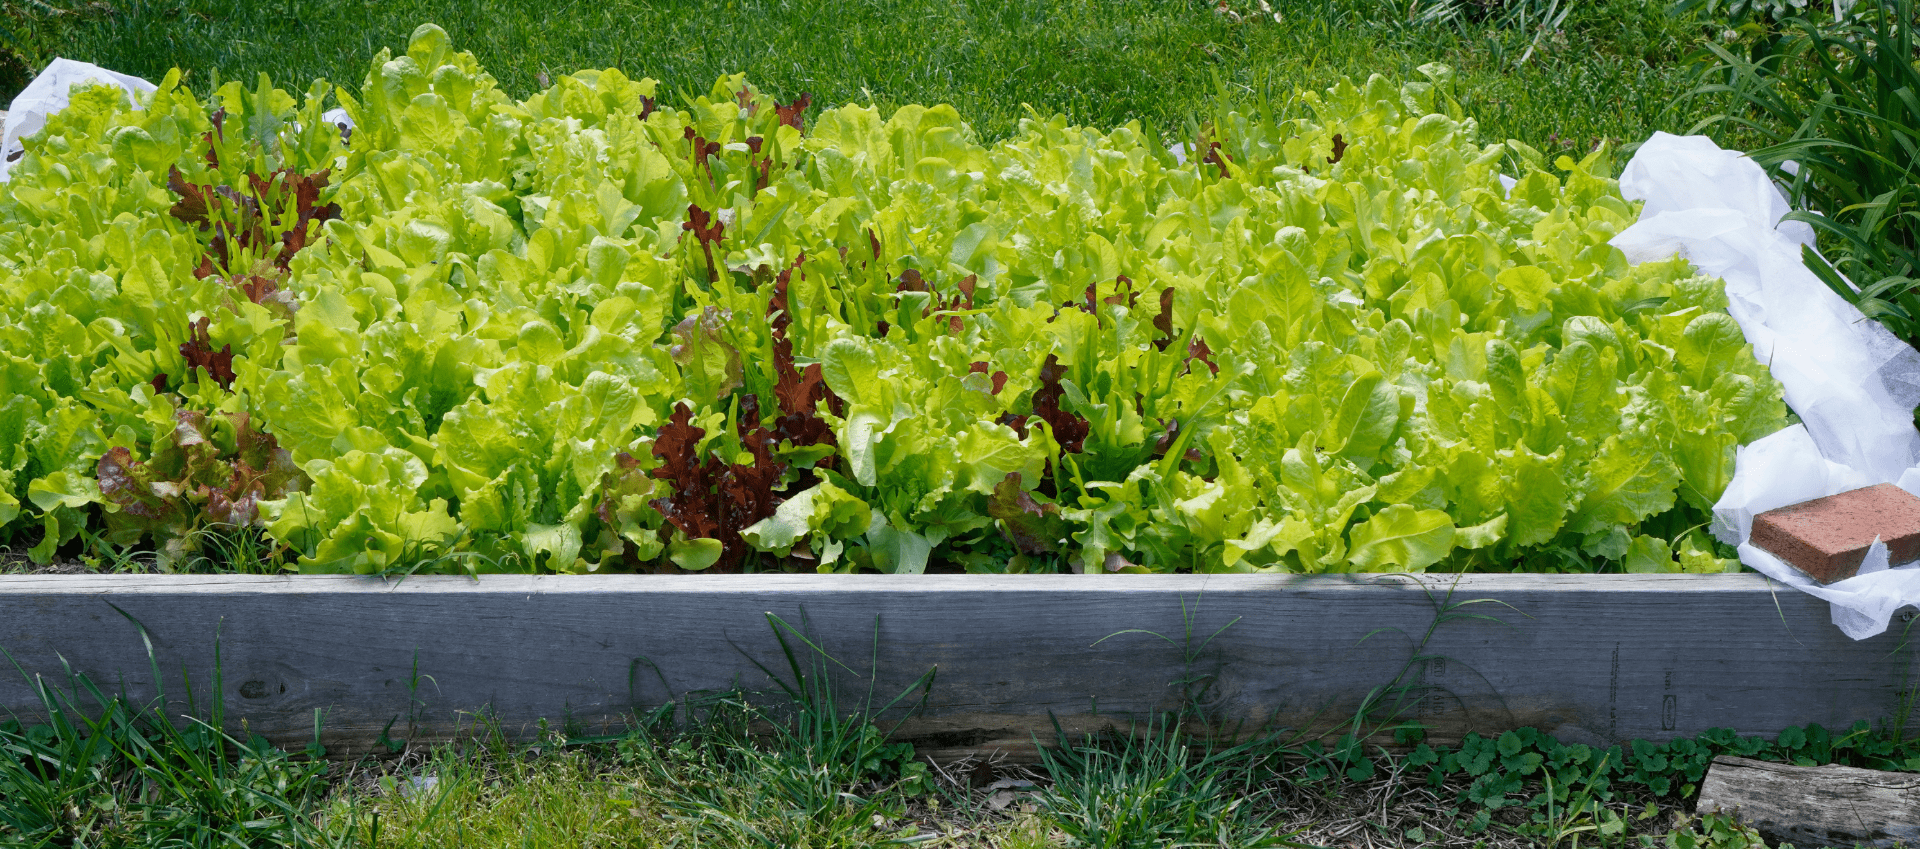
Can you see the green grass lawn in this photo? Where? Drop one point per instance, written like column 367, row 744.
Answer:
column 1611, row 71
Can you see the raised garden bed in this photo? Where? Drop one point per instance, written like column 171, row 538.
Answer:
column 1589, row 658
column 629, row 338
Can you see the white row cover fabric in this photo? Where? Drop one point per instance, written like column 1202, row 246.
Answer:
column 1852, row 382
column 48, row 93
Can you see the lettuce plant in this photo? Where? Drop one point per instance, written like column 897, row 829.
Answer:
column 593, row 331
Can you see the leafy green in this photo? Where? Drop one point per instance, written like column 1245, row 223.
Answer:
column 593, row 331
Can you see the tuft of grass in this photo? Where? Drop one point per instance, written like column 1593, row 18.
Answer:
column 1558, row 75
column 228, row 550
column 105, row 771
column 1155, row 787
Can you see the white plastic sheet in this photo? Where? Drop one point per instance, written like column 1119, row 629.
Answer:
column 338, row 117
column 48, row 93
column 1853, row 383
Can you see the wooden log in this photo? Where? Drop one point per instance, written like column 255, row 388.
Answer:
column 1816, row 806
column 1595, row 659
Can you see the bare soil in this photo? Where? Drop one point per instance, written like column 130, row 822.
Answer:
column 14, row 561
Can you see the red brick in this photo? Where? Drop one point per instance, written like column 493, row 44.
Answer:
column 1827, row 538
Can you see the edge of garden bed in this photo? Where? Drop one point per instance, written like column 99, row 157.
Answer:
column 1589, row 658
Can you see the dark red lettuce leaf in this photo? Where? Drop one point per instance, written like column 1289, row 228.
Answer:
column 195, row 200
column 701, row 148
column 797, row 392
column 1218, row 159
column 707, row 229
column 746, row 491
column 791, row 114
column 1197, row 350
column 200, row 355
column 712, row 498
column 1164, row 321
column 1069, row 429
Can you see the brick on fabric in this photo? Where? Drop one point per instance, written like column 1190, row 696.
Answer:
column 1828, row 538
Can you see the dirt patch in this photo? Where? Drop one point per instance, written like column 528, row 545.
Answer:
column 14, row 561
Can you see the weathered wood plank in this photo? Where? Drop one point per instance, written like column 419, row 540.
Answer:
column 1816, row 806
column 1589, row 658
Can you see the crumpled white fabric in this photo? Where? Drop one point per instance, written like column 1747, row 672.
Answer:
column 1852, row 382
column 48, row 93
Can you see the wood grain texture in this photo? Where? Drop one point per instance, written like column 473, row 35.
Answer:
column 1816, row 806
column 1595, row 659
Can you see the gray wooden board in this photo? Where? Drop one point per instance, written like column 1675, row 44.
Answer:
column 1594, row 659
column 1816, row 806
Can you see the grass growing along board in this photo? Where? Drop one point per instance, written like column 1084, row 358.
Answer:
column 105, row 768
column 596, row 331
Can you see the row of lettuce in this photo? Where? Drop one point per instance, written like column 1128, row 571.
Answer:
column 592, row 331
